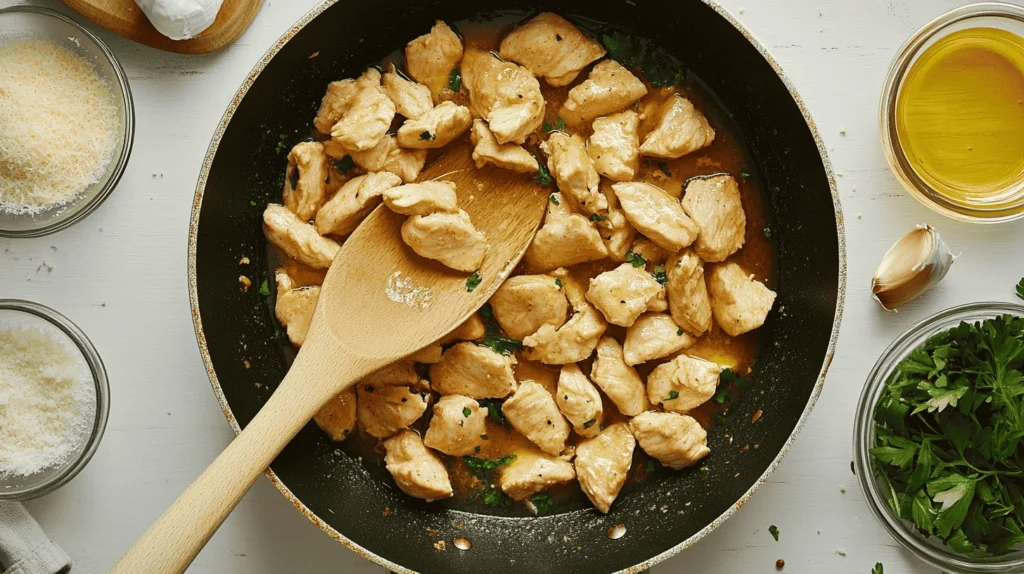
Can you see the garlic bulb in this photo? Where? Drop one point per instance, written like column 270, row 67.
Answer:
column 917, row 261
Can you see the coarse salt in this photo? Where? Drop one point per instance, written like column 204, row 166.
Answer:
column 47, row 397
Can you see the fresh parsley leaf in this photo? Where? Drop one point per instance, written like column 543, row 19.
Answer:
column 553, row 198
column 345, row 164
column 589, row 423
column 878, row 569
column 426, row 135
column 659, row 275
column 466, row 412
column 455, row 80
column 1020, row 288
column 252, row 203
column 547, row 128
column 543, row 502
column 543, row 176
column 597, row 218
column 264, row 288
column 672, row 395
column 558, row 282
column 635, row 259
column 482, row 467
column 649, row 467
column 744, row 174
column 494, row 413
column 722, row 394
column 281, row 145
column 559, row 124
column 664, row 168
column 679, row 332
column 493, row 338
column 655, row 64
column 473, row 281
column 491, row 496
column 774, row 531
column 767, row 232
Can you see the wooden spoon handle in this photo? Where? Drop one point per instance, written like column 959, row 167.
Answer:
column 182, row 530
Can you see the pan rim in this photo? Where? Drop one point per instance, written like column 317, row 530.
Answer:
column 193, row 294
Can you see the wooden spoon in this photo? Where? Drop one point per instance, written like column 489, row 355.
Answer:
column 357, row 328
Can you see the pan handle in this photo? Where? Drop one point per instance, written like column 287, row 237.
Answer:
column 174, row 540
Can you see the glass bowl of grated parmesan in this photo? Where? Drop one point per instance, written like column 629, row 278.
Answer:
column 67, row 121
column 54, row 400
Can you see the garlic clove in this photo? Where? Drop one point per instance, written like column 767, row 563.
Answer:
column 919, row 260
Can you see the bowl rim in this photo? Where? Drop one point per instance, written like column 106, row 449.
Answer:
column 120, row 162
column 900, row 530
column 193, row 291
column 99, row 375
column 894, row 154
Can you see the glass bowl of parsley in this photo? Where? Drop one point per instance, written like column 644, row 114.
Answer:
column 939, row 439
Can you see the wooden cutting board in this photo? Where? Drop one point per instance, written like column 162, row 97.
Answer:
column 125, row 18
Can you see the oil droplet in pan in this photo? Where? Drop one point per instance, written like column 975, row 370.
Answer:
column 616, row 532
column 462, row 543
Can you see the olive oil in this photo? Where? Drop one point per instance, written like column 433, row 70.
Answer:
column 960, row 117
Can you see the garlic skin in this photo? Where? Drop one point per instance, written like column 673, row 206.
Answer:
column 919, row 260
column 180, row 19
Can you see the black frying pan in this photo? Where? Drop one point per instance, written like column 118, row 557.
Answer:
column 355, row 502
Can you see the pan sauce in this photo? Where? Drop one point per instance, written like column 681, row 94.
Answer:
column 727, row 155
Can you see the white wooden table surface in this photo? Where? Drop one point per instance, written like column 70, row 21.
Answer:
column 120, row 274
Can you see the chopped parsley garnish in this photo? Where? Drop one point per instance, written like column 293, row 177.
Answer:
column 553, row 198
column 767, row 232
column 455, row 80
column 466, row 411
column 656, row 65
column 595, row 217
column 345, row 164
column 664, row 168
column 721, row 395
column 672, row 395
column 589, row 423
column 492, row 496
column 948, row 431
column 728, row 376
column 559, row 125
column 264, row 288
column 679, row 332
column 543, row 176
column 721, row 418
column 482, row 467
column 558, row 282
column 543, row 502
column 744, row 174
column 774, row 531
column 877, row 569
column 659, row 275
column 252, row 203
column 1020, row 288
column 650, row 466
column 493, row 339
column 494, row 413
column 426, row 135
column 635, row 259
column 473, row 281
column 281, row 146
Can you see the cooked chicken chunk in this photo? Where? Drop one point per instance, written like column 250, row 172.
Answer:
column 525, row 303
column 305, row 181
column 740, row 302
column 546, row 375
column 367, row 117
column 296, row 238
column 428, row 355
column 532, row 411
column 431, row 57
column 504, row 94
column 294, row 310
column 507, row 156
column 411, row 99
column 687, row 293
column 683, row 384
column 474, row 371
column 659, row 303
column 649, row 251
column 532, row 472
column 714, row 205
column 614, row 145
column 388, row 156
column 623, row 293
column 417, row 470
column 573, row 289
column 338, row 100
column 551, row 47
column 602, row 464
column 446, row 237
column 609, row 88
column 383, row 411
column 565, row 239
column 618, row 380
column 570, row 343
column 653, row 336
column 453, row 431
column 422, row 198
column 675, row 440
column 681, row 129
column 656, row 214
column 353, row 202
column 615, row 229
column 338, row 417
column 470, row 330
column 436, row 128
column 398, row 373
column 574, row 172
column 579, row 401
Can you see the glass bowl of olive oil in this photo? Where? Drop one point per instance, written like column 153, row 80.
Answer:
column 952, row 113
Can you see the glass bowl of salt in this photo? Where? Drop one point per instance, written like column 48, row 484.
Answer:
column 54, row 400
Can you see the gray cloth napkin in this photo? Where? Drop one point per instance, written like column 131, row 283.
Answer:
column 24, row 547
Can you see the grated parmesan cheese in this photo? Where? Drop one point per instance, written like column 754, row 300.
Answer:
column 47, row 397
column 58, row 122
